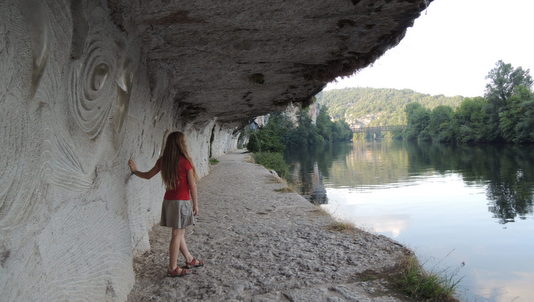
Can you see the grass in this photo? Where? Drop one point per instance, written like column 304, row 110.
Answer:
column 341, row 226
column 271, row 179
column 412, row 280
column 213, row 161
column 284, row 190
column 408, row 278
column 320, row 211
column 274, row 161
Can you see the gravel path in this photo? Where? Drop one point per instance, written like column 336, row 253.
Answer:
column 263, row 245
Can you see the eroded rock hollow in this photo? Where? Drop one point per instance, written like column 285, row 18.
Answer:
column 85, row 85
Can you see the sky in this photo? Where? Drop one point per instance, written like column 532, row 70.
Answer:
column 452, row 47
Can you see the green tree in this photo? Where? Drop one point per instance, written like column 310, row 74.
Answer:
column 305, row 134
column 332, row 131
column 271, row 137
column 440, row 124
column 516, row 119
column 280, row 132
column 471, row 121
column 325, row 126
column 342, row 131
column 418, row 119
column 504, row 80
column 506, row 114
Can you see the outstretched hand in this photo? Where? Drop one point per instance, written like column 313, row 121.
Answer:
column 132, row 165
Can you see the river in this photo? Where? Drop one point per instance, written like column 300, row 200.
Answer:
column 466, row 211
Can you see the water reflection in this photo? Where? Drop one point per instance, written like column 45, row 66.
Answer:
column 468, row 208
column 506, row 172
column 496, row 288
column 309, row 167
column 391, row 225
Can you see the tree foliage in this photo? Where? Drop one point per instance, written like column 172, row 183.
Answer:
column 516, row 119
column 280, row 132
column 418, row 119
column 505, row 114
column 271, row 137
column 471, row 121
column 504, row 80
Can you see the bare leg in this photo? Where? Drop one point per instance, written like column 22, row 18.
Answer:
column 185, row 251
column 177, row 236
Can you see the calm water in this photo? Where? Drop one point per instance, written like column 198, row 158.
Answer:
column 465, row 211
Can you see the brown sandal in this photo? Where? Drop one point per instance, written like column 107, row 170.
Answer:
column 194, row 263
column 178, row 272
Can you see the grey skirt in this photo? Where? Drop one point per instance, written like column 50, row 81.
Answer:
column 177, row 214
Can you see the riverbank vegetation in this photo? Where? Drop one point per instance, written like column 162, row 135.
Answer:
column 412, row 280
column 504, row 115
column 342, row 226
column 273, row 161
column 280, row 133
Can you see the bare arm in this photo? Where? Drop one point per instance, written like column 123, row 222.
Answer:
column 193, row 188
column 146, row 175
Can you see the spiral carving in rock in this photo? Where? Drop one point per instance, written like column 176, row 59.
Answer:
column 92, row 86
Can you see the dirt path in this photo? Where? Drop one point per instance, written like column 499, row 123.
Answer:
column 264, row 245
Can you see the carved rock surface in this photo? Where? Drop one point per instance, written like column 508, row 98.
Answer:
column 86, row 85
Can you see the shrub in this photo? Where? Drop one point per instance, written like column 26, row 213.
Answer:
column 414, row 281
column 342, row 226
column 274, row 161
column 265, row 141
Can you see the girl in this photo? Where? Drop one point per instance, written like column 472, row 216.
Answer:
column 179, row 178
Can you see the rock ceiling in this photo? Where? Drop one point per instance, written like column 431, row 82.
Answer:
column 238, row 59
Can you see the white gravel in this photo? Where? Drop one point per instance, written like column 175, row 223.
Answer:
column 264, row 245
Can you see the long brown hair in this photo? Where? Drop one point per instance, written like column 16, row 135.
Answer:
column 175, row 147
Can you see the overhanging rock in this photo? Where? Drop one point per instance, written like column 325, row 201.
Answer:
column 85, row 85
column 240, row 59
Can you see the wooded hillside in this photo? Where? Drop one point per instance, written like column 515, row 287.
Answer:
column 362, row 107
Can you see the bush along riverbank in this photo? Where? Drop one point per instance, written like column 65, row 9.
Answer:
column 272, row 161
column 504, row 115
column 280, row 132
column 268, row 143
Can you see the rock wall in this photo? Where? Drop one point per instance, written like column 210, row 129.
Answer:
column 87, row 84
column 76, row 104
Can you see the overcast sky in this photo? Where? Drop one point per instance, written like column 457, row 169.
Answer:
column 452, row 47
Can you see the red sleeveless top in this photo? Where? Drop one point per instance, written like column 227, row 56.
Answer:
column 182, row 185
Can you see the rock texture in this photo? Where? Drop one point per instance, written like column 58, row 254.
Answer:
column 264, row 245
column 259, row 55
column 86, row 85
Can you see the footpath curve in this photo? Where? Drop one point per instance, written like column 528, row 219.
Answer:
column 263, row 245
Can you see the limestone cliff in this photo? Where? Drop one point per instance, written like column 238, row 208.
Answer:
column 85, row 85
